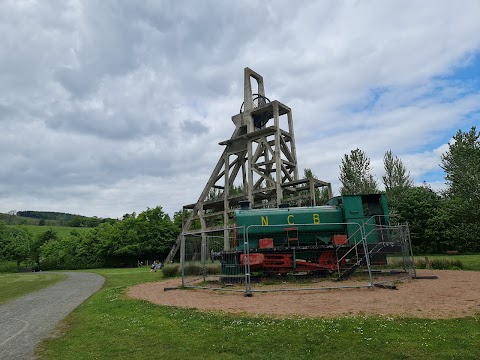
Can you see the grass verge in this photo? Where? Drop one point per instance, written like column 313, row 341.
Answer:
column 469, row 262
column 111, row 326
column 16, row 285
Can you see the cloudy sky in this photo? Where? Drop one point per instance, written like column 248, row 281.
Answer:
column 110, row 107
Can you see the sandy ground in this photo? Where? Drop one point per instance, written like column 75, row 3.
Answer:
column 453, row 294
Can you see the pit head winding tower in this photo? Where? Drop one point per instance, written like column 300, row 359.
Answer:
column 258, row 166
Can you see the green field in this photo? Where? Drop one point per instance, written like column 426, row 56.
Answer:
column 111, row 326
column 16, row 285
column 60, row 230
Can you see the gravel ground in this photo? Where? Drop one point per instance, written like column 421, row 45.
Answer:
column 27, row 320
column 453, row 294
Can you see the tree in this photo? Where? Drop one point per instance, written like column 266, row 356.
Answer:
column 37, row 243
column 396, row 179
column 321, row 195
column 355, row 174
column 14, row 243
column 443, row 229
column 156, row 232
column 461, row 164
column 178, row 219
column 419, row 206
column 3, row 240
column 12, row 213
column 149, row 235
column 61, row 253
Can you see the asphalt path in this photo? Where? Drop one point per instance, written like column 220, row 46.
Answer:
column 28, row 319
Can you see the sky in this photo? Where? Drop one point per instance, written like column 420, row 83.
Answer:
column 112, row 107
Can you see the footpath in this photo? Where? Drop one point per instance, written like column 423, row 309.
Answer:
column 27, row 320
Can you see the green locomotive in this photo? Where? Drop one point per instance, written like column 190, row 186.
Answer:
column 305, row 239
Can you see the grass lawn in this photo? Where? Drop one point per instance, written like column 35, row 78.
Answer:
column 470, row 262
column 15, row 285
column 110, row 326
column 62, row 231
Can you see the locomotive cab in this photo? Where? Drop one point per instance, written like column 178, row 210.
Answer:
column 367, row 211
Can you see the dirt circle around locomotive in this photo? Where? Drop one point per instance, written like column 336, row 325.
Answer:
column 454, row 294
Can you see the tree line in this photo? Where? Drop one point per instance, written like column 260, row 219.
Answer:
column 447, row 220
column 148, row 235
column 62, row 219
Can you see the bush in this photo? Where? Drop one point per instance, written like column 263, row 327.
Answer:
column 191, row 268
column 394, row 263
column 439, row 264
column 8, row 267
column 213, row 268
column 171, row 270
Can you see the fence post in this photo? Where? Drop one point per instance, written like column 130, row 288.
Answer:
column 246, row 253
column 203, row 256
column 411, row 250
column 182, row 258
column 367, row 256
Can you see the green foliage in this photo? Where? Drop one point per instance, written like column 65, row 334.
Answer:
column 355, row 174
column 462, row 173
column 60, row 219
column 441, row 223
column 63, row 253
column 461, row 164
column 396, row 179
column 171, row 270
column 47, row 215
column 156, row 232
column 177, row 219
column 149, row 235
column 13, row 219
column 321, row 195
column 419, row 206
column 8, row 267
column 215, row 194
column 61, row 231
column 194, row 268
column 469, row 262
column 14, row 243
column 213, row 268
column 439, row 264
column 40, row 240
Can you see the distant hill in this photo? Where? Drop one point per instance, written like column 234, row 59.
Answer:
column 19, row 220
column 51, row 218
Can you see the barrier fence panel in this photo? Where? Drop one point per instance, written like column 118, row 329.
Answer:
column 389, row 253
column 211, row 259
column 308, row 258
column 238, row 259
